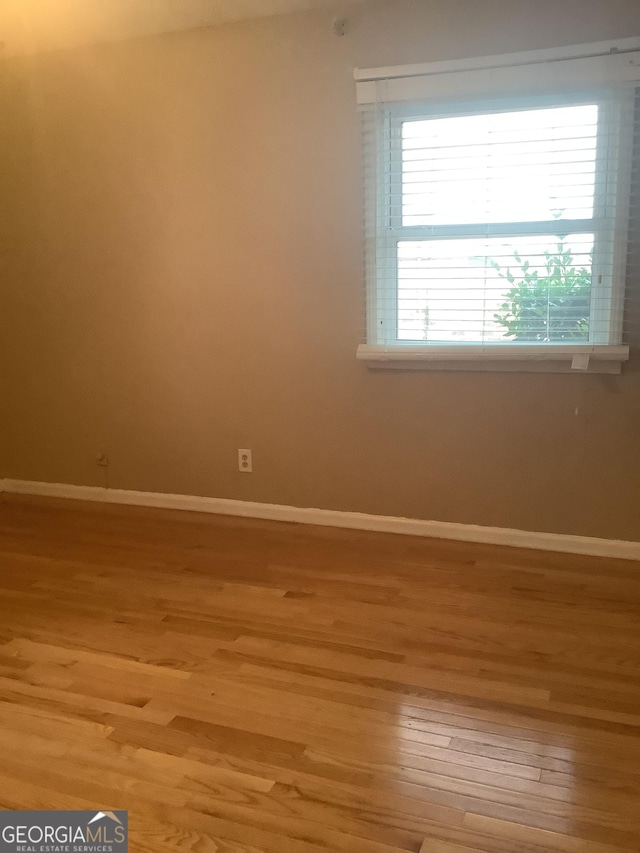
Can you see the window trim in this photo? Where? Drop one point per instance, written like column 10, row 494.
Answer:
column 577, row 66
column 573, row 360
column 590, row 50
column 574, row 354
column 604, row 351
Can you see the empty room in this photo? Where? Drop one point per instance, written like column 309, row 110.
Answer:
column 320, row 432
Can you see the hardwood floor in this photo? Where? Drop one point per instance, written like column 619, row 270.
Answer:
column 244, row 686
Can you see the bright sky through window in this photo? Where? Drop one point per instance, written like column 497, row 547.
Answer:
column 501, row 167
column 525, row 166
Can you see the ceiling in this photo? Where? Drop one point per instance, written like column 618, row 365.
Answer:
column 28, row 26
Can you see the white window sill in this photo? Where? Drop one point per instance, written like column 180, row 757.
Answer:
column 539, row 358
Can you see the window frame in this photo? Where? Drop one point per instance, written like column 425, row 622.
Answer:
column 609, row 220
column 578, row 69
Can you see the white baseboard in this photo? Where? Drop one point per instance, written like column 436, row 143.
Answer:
column 333, row 518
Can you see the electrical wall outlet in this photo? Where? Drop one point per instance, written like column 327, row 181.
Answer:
column 245, row 461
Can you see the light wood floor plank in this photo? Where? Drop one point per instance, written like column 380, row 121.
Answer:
column 250, row 687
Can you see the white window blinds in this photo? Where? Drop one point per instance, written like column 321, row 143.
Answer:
column 499, row 221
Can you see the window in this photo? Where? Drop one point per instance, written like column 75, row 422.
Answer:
column 497, row 225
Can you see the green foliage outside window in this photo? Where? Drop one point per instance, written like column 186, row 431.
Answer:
column 549, row 304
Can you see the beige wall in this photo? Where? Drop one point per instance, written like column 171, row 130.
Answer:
column 185, row 278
